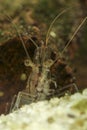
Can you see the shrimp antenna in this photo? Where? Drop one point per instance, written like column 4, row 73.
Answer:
column 15, row 27
column 51, row 25
column 33, row 42
column 77, row 29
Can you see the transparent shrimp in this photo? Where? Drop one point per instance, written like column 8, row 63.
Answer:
column 38, row 83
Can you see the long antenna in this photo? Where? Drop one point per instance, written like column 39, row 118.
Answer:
column 15, row 27
column 77, row 29
column 51, row 25
column 33, row 42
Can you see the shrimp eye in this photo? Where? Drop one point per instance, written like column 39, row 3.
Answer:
column 27, row 62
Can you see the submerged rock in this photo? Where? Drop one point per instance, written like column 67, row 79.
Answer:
column 65, row 113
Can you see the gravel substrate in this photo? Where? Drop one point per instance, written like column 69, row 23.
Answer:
column 66, row 113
